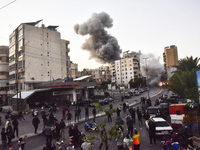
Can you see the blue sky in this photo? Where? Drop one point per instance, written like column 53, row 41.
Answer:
column 146, row 25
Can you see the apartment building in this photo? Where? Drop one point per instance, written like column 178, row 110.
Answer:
column 4, row 74
column 127, row 68
column 105, row 73
column 170, row 58
column 36, row 54
column 74, row 70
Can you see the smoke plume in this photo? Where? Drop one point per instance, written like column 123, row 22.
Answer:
column 102, row 46
column 151, row 68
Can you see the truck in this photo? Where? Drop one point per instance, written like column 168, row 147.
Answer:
column 176, row 114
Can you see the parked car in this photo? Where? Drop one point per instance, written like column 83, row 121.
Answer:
column 108, row 100
column 152, row 111
column 127, row 95
column 83, row 102
column 131, row 93
column 100, row 101
column 163, row 128
column 164, row 109
column 137, row 93
column 171, row 101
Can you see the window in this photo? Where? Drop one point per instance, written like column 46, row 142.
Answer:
column 20, row 43
column 20, row 32
column 12, row 39
column 12, row 58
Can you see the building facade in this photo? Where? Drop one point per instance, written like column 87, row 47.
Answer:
column 4, row 74
column 127, row 68
column 36, row 54
column 170, row 58
column 74, row 70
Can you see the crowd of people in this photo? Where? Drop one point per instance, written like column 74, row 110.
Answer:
column 54, row 129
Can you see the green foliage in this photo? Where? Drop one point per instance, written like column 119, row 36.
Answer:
column 137, row 82
column 108, row 134
column 104, row 85
column 183, row 81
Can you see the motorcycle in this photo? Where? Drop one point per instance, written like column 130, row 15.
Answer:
column 90, row 126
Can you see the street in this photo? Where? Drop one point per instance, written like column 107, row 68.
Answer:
column 37, row 142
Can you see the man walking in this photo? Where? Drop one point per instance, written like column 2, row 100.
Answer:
column 35, row 123
column 94, row 112
column 63, row 113
column 48, row 133
column 152, row 131
column 15, row 127
column 76, row 114
column 62, row 129
column 130, row 123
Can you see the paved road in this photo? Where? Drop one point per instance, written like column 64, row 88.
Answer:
column 26, row 128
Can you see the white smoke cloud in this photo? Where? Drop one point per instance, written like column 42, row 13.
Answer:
column 154, row 68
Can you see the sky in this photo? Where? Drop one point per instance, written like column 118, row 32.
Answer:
column 146, row 25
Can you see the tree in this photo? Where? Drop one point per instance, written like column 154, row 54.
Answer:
column 183, row 81
column 137, row 82
column 110, row 133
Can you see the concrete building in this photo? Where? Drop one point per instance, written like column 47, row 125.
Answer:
column 4, row 74
column 74, row 70
column 105, row 73
column 36, row 54
column 170, row 58
column 127, row 68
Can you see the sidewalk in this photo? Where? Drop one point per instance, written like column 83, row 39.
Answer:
column 26, row 127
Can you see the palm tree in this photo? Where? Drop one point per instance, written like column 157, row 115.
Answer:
column 183, row 81
column 188, row 64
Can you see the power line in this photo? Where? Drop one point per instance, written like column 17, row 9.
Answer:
column 7, row 4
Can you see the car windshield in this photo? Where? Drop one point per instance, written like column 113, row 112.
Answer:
column 162, row 124
column 152, row 111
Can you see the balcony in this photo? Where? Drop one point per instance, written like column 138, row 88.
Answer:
column 21, row 70
column 4, row 67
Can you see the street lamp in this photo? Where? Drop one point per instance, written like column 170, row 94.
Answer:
column 146, row 73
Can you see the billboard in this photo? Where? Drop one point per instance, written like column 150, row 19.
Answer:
column 198, row 81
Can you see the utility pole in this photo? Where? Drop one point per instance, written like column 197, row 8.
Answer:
column 146, row 74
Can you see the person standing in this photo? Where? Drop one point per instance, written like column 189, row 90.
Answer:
column 119, row 139
column 21, row 115
column 128, row 141
column 79, row 112
column 140, row 118
column 44, row 118
column 15, row 127
column 76, row 114
column 152, row 131
column 104, row 139
column 86, row 113
column 63, row 113
column 136, row 140
column 81, row 140
column 4, row 139
column 35, row 123
column 94, row 112
column 62, row 129
column 48, row 133
column 69, row 117
column 118, row 112
column 130, row 126
column 57, row 131
column 124, row 107
column 9, row 131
